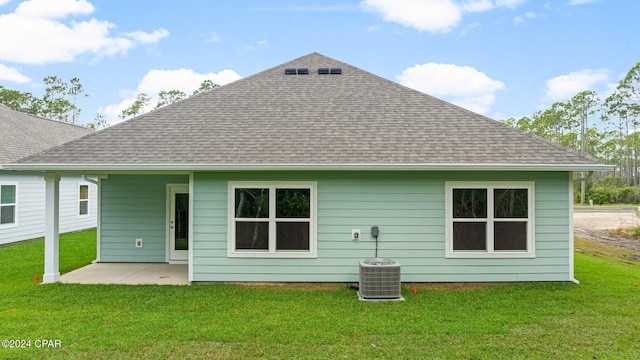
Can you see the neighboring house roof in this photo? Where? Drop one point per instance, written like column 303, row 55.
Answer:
column 23, row 134
column 271, row 120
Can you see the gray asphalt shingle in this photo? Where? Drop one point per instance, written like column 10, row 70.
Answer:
column 272, row 118
column 23, row 134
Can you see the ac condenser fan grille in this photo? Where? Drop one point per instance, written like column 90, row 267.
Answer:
column 379, row 279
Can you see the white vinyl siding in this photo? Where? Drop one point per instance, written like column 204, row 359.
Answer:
column 69, row 202
column 30, row 196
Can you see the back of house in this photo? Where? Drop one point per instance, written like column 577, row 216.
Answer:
column 282, row 175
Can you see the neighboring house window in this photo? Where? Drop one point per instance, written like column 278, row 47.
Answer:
column 272, row 220
column 490, row 219
column 83, row 200
column 8, row 203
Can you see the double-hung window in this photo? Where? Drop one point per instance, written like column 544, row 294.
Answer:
column 490, row 219
column 8, row 203
column 83, row 200
column 272, row 219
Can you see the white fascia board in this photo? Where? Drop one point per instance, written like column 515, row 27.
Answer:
column 104, row 168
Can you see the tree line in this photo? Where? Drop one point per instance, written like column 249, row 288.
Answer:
column 61, row 101
column 164, row 98
column 606, row 129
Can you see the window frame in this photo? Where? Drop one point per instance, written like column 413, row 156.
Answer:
column 80, row 200
column 14, row 204
column 272, row 219
column 490, row 186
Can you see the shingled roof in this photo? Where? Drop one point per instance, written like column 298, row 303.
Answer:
column 23, row 134
column 354, row 119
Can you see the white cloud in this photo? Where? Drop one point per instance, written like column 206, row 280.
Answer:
column 563, row 87
column 425, row 15
column 304, row 8
column 145, row 38
column 185, row 80
column 526, row 16
column 154, row 81
column 462, row 85
column 30, row 35
column 47, row 9
column 435, row 16
column 251, row 47
column 212, row 37
column 512, row 4
column 470, row 27
column 477, row 5
column 580, row 2
column 4, row 2
column 13, row 75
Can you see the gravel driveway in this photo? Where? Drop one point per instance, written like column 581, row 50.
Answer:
column 593, row 225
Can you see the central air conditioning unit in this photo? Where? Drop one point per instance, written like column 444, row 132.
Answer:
column 379, row 279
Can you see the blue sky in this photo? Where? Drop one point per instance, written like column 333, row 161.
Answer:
column 501, row 58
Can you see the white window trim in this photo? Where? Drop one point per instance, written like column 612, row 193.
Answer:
column 88, row 200
column 15, row 206
column 489, row 186
column 272, row 253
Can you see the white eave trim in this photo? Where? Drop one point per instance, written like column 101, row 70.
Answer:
column 102, row 168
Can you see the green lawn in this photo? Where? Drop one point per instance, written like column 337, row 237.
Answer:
column 600, row 318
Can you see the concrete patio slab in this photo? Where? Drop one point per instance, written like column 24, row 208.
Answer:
column 129, row 274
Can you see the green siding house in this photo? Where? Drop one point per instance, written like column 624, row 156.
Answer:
column 281, row 176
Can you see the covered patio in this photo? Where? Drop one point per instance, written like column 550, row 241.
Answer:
column 129, row 274
column 137, row 272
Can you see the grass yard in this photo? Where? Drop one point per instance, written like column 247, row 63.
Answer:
column 600, row 318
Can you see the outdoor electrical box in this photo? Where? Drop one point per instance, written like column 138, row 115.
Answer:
column 355, row 234
column 138, row 243
column 375, row 231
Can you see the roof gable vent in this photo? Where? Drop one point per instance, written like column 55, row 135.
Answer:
column 303, row 71
column 323, row 71
column 336, row 71
column 290, row 71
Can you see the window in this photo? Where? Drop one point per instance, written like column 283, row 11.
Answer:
column 8, row 203
column 490, row 219
column 83, row 200
column 272, row 220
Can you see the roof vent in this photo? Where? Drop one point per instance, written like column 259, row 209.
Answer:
column 305, row 71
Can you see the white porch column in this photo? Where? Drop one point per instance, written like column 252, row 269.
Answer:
column 51, row 233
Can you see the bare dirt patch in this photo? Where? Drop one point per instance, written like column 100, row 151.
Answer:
column 598, row 249
column 595, row 226
column 604, row 220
